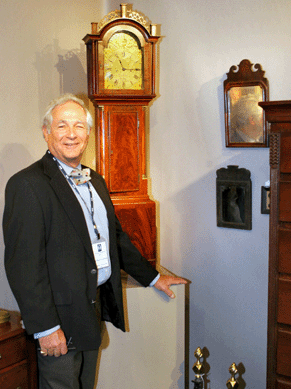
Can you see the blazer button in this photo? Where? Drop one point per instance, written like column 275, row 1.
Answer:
column 93, row 271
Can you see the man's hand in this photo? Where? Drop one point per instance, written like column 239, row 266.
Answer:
column 54, row 344
column 164, row 283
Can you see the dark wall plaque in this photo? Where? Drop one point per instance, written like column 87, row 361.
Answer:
column 234, row 198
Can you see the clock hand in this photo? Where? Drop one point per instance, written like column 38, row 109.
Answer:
column 120, row 62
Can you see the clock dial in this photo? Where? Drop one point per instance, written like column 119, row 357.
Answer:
column 123, row 63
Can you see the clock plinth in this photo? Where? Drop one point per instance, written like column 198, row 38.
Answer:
column 121, row 57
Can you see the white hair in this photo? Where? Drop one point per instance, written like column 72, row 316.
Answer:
column 48, row 118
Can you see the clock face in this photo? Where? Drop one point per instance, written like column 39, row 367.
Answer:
column 123, row 63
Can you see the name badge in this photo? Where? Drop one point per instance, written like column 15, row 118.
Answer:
column 100, row 253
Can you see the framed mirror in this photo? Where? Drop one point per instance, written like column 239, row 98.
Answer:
column 245, row 123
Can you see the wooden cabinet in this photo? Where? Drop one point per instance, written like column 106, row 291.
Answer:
column 278, row 113
column 18, row 369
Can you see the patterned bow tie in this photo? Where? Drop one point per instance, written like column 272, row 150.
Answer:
column 80, row 176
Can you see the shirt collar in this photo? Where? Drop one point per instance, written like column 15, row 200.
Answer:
column 68, row 169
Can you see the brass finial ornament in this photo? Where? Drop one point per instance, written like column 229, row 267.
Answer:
column 198, row 369
column 125, row 12
column 232, row 382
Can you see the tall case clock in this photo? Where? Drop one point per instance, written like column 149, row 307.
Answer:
column 121, row 58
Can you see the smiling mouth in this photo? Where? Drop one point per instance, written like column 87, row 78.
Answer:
column 71, row 144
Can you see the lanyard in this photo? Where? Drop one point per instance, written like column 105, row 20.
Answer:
column 72, row 183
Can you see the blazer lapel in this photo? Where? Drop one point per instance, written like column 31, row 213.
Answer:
column 101, row 189
column 68, row 200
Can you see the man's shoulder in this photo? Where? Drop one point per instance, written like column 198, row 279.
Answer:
column 32, row 172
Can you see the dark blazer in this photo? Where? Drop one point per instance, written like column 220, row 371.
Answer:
column 49, row 261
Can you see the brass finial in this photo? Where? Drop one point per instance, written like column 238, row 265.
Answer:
column 154, row 29
column 123, row 8
column 126, row 12
column 232, row 383
column 198, row 369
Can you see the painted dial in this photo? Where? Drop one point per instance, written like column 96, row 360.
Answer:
column 123, row 63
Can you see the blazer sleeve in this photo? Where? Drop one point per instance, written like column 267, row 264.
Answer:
column 25, row 255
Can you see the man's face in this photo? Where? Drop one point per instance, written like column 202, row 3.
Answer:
column 68, row 137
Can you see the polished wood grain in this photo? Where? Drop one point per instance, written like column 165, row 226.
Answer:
column 284, row 300
column 284, row 247
column 285, row 201
column 279, row 295
column 18, row 367
column 284, row 353
column 15, row 376
column 281, row 384
column 138, row 220
column 121, row 149
column 124, row 151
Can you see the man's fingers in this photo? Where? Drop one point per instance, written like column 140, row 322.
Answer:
column 164, row 283
column 171, row 294
column 63, row 349
column 177, row 281
column 57, row 353
column 54, row 344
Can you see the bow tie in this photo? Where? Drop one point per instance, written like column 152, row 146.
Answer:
column 80, row 176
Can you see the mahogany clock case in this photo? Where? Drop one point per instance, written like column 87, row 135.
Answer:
column 121, row 62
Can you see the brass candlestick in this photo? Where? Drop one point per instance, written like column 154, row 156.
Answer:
column 232, row 382
column 198, row 369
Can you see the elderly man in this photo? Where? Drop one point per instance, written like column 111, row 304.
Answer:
column 63, row 247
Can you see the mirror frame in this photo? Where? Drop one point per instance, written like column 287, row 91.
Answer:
column 244, row 118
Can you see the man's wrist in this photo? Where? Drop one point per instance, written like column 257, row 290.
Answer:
column 38, row 335
column 155, row 280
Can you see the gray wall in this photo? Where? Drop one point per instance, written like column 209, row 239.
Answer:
column 42, row 55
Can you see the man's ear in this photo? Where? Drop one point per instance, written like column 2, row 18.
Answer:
column 45, row 132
